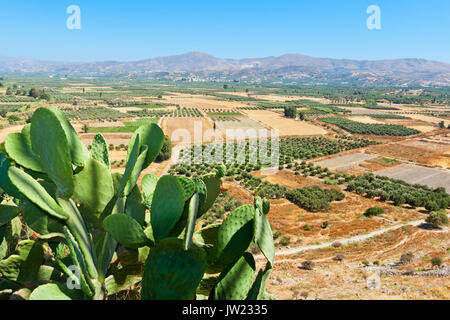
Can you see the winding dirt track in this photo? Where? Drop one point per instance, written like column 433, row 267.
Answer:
column 359, row 238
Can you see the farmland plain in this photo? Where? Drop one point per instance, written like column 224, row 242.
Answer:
column 315, row 153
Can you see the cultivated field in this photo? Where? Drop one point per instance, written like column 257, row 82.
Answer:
column 346, row 246
column 286, row 127
column 416, row 174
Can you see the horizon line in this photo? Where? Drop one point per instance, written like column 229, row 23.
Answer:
column 208, row 54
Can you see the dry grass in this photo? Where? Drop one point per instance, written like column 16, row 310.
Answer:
column 286, row 127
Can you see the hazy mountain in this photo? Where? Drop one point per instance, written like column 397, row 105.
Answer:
column 285, row 67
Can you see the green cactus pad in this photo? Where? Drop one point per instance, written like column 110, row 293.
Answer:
column 208, row 234
column 124, row 278
column 234, row 235
column 24, row 265
column 258, row 204
column 36, row 193
column 5, row 182
column 263, row 236
column 53, row 150
column 172, row 273
column 38, row 220
column 266, row 207
column 7, row 213
column 48, row 273
column 151, row 136
column 78, row 260
column 134, row 206
column 136, row 172
column 105, row 247
column 192, row 217
column 188, row 187
column 200, row 189
column 167, row 206
column 18, row 148
column 133, row 156
column 79, row 230
column 212, row 183
column 236, row 279
column 148, row 184
column 52, row 291
column 221, row 170
column 259, row 286
column 100, row 151
column 93, row 187
column 126, row 231
column 78, row 151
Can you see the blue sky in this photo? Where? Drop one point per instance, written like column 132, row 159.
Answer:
column 133, row 30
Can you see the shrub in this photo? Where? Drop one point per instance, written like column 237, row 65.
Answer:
column 432, row 206
column 325, row 225
column 374, row 211
column 314, row 198
column 436, row 262
column 277, row 234
column 166, row 150
column 308, row 265
column 339, row 257
column 406, row 258
column 285, row 241
column 307, row 227
column 437, row 219
column 336, row 244
column 290, row 112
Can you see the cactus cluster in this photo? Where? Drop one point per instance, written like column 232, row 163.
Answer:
column 91, row 234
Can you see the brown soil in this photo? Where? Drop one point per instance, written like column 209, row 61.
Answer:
column 347, row 279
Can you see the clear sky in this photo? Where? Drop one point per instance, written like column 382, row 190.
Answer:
column 139, row 29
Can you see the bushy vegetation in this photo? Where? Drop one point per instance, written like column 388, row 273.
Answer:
column 166, row 150
column 290, row 112
column 388, row 116
column 224, row 119
column 290, row 149
column 179, row 112
column 399, row 192
column 436, row 262
column 314, row 198
column 370, row 128
column 374, row 211
column 407, row 258
column 94, row 113
column 437, row 219
column 222, row 112
column 221, row 208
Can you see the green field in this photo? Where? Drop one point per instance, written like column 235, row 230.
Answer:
column 129, row 126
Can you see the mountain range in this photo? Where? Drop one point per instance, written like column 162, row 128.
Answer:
column 289, row 67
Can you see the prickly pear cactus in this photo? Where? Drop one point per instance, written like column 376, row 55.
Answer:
column 96, row 222
column 171, row 272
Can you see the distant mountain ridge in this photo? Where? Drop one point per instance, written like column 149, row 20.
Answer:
column 288, row 66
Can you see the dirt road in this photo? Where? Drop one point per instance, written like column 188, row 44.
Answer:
column 359, row 238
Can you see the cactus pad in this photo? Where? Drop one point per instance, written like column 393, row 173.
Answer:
column 125, row 230
column 167, row 206
column 236, row 279
column 172, row 273
column 234, row 235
